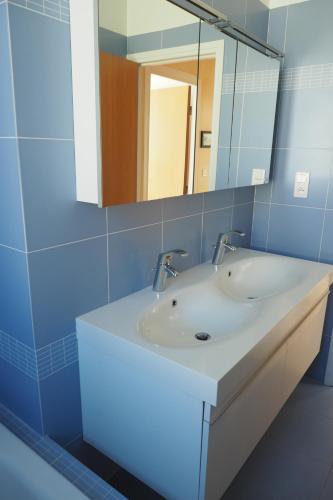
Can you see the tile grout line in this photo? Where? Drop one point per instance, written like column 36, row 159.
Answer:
column 324, row 218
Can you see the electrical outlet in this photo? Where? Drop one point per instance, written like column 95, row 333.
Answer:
column 301, row 186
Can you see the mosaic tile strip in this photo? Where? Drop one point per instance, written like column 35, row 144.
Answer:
column 57, row 356
column 251, row 81
column 42, row 363
column 57, row 9
column 19, row 355
column 83, row 478
column 307, row 77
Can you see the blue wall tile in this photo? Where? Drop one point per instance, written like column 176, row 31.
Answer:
column 326, row 254
column 7, row 122
column 11, row 210
column 242, row 221
column 257, row 18
column 185, row 35
column 260, row 223
column 20, row 394
column 185, row 234
column 214, row 223
column 15, row 310
column 218, row 199
column 290, row 233
column 62, row 408
column 130, row 216
column 263, row 193
column 235, row 9
column 288, row 162
column 244, row 195
column 42, row 74
column 112, row 42
column 132, row 256
column 277, row 27
column 53, row 216
column 66, row 282
column 182, row 206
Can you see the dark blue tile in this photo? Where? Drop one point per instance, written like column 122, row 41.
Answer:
column 242, row 221
column 20, row 394
column 326, row 252
column 135, row 215
column 290, row 233
column 62, row 408
column 277, row 27
column 244, row 195
column 219, row 221
column 132, row 256
column 42, row 74
column 288, row 162
column 235, row 9
column 263, row 193
column 182, row 206
column 15, row 312
column 296, row 129
column 260, row 226
column 218, row 199
column 11, row 213
column 302, row 49
column 7, row 122
column 66, row 282
column 185, row 234
column 53, row 216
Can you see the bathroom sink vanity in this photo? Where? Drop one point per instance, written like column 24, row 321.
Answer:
column 179, row 387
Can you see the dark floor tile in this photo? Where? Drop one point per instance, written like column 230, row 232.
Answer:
column 92, row 458
column 132, row 488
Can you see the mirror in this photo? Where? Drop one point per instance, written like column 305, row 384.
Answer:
column 255, row 98
column 148, row 96
column 165, row 104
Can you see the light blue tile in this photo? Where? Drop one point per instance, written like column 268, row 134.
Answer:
column 218, row 199
column 112, row 42
column 53, row 216
column 7, row 121
column 235, row 9
column 227, row 106
column 260, row 226
column 330, row 191
column 131, row 216
column 66, row 282
column 288, row 162
column 244, row 195
column 62, row 409
column 215, row 223
column 242, row 221
column 277, row 27
column 290, row 233
column 42, row 74
column 19, row 393
column 257, row 18
column 145, row 42
column 258, row 119
column 249, row 159
column 11, row 215
column 15, row 314
column 185, row 234
column 223, row 180
column 326, row 254
column 302, row 49
column 184, row 35
column 182, row 206
column 263, row 193
column 132, row 256
column 306, row 119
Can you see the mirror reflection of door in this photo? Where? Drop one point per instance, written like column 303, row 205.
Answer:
column 169, row 96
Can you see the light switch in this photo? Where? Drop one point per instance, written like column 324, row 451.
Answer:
column 258, row 176
column 301, row 187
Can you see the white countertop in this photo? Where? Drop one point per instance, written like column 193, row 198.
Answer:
column 210, row 372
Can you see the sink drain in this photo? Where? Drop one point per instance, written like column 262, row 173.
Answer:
column 202, row 336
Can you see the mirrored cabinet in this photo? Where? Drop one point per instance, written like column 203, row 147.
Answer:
column 165, row 104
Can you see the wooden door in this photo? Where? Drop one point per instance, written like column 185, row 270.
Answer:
column 119, row 124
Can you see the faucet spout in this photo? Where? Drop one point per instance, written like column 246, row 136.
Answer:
column 165, row 268
column 223, row 244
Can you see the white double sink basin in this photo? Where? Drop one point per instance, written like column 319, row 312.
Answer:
column 210, row 321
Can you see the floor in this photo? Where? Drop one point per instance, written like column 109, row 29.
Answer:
column 294, row 460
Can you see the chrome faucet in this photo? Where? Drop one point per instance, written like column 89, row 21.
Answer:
column 223, row 244
column 165, row 268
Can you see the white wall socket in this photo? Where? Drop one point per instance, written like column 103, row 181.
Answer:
column 301, row 186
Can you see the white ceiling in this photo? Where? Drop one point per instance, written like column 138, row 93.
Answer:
column 274, row 4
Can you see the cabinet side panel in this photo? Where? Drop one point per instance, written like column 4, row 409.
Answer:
column 152, row 430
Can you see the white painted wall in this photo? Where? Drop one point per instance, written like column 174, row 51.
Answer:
column 274, row 4
column 113, row 15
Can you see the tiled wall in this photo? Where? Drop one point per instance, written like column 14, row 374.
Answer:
column 60, row 258
column 304, row 142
